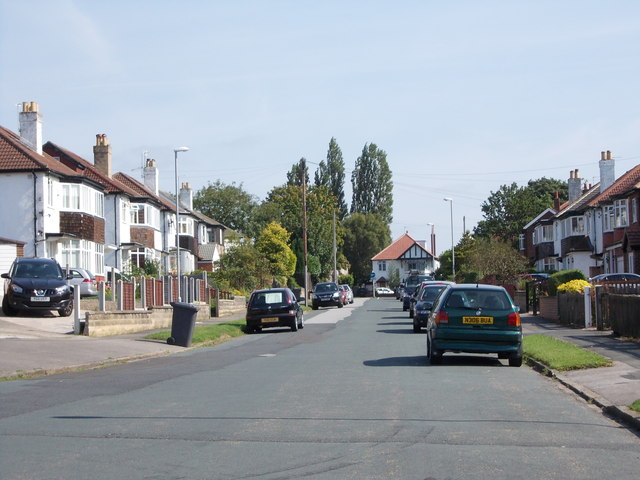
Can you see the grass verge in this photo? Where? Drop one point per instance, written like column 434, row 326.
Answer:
column 207, row 334
column 635, row 406
column 561, row 356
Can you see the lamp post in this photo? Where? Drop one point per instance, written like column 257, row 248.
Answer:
column 175, row 151
column 453, row 253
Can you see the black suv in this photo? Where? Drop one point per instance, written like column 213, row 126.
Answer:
column 36, row 284
column 326, row 294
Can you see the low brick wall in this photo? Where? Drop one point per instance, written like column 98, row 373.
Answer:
column 231, row 307
column 104, row 324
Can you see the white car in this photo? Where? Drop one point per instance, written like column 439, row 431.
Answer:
column 384, row 291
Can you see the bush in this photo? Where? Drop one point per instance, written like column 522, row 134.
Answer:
column 561, row 277
column 574, row 286
column 345, row 279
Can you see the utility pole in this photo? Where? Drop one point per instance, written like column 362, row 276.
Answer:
column 335, row 249
column 304, row 228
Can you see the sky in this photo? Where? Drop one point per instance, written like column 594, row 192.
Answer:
column 463, row 96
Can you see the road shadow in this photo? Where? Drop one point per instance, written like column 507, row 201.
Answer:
column 415, row 361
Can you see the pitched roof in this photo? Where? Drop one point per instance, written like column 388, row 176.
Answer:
column 398, row 248
column 581, row 203
column 87, row 169
column 141, row 191
column 627, row 181
column 15, row 156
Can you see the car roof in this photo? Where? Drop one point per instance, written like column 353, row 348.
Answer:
column 479, row 286
column 35, row 260
column 279, row 289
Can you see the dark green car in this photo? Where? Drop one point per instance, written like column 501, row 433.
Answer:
column 475, row 318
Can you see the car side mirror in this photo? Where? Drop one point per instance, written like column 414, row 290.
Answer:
column 5, row 275
column 69, row 277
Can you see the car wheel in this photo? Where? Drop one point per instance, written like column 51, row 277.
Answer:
column 171, row 341
column 7, row 309
column 515, row 361
column 340, row 305
column 301, row 325
column 416, row 328
column 66, row 311
column 410, row 313
column 404, row 309
column 294, row 324
column 315, row 307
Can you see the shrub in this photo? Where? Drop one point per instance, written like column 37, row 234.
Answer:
column 574, row 286
column 561, row 277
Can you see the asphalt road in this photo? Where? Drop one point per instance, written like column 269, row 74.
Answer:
column 348, row 397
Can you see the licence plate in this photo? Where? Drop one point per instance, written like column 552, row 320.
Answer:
column 477, row 320
column 40, row 299
column 270, row 320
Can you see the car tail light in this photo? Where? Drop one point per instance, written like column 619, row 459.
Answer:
column 86, row 280
column 513, row 320
column 442, row 317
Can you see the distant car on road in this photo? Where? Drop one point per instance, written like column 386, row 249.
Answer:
column 274, row 307
column 349, row 292
column 475, row 318
column 326, row 294
column 384, row 292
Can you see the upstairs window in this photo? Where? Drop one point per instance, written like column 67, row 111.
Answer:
column 634, row 210
column 608, row 218
column 82, row 198
column 621, row 213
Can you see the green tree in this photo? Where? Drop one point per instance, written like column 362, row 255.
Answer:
column 242, row 267
column 294, row 176
column 365, row 235
column 372, row 184
column 494, row 258
column 230, row 205
column 509, row 209
column 331, row 175
column 463, row 270
column 274, row 247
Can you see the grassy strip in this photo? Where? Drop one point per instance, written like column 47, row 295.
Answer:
column 635, row 406
column 561, row 356
column 207, row 334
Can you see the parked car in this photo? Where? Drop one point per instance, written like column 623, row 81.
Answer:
column 274, row 307
column 475, row 318
column 347, row 289
column 423, row 304
column 343, row 295
column 615, row 277
column 85, row 280
column 326, row 294
column 384, row 292
column 36, row 285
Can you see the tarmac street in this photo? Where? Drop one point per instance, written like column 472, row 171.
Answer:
column 46, row 345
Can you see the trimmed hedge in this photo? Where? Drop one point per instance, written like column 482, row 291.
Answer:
column 561, row 277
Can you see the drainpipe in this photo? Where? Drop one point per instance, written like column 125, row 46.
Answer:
column 35, row 216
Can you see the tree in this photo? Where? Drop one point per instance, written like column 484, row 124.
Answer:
column 365, row 235
column 463, row 271
column 509, row 209
column 331, row 175
column 294, row 176
column 242, row 267
column 230, row 205
column 372, row 184
column 494, row 258
column 273, row 246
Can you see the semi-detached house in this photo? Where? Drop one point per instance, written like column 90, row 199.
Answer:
column 596, row 231
column 84, row 215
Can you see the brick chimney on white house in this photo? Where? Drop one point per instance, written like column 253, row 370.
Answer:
column 186, row 196
column 607, row 170
column 575, row 185
column 150, row 174
column 102, row 154
column 31, row 126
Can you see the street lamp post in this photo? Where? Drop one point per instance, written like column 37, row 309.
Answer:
column 432, row 240
column 175, row 151
column 453, row 253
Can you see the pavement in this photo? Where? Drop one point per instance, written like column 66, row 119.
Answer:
column 35, row 346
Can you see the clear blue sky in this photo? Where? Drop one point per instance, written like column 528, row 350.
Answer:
column 464, row 96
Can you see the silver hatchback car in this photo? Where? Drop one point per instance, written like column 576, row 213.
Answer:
column 85, row 280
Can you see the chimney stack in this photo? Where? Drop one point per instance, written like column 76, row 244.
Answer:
column 151, row 175
column 575, row 185
column 186, row 196
column 31, row 126
column 556, row 202
column 607, row 170
column 102, row 154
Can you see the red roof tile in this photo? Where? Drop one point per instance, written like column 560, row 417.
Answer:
column 627, row 181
